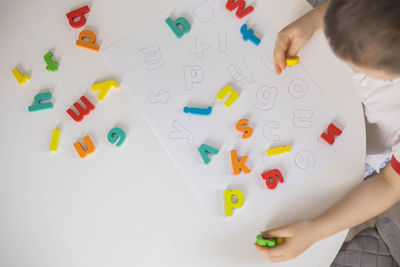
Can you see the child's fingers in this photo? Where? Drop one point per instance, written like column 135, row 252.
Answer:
column 281, row 46
column 277, row 232
column 271, row 253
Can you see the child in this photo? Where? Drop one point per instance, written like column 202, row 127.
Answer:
column 366, row 35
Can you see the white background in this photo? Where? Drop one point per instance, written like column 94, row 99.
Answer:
column 127, row 206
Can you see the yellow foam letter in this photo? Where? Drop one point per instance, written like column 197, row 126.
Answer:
column 229, row 204
column 227, row 90
column 104, row 88
column 54, row 140
column 21, row 79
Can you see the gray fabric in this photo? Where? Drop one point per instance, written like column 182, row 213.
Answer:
column 389, row 230
column 315, row 3
column 372, row 247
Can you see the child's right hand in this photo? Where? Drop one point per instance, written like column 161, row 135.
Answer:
column 296, row 35
column 298, row 237
column 289, row 41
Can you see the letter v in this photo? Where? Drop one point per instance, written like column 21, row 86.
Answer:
column 204, row 150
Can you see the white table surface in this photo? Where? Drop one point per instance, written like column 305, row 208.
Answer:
column 117, row 208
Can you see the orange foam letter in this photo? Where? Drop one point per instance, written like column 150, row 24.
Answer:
column 239, row 165
column 82, row 152
column 247, row 131
column 90, row 44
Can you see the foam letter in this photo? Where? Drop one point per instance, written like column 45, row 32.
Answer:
column 271, row 178
column 240, row 5
column 104, row 88
column 78, row 13
column 248, row 34
column 52, row 65
column 90, row 44
column 20, row 79
column 278, row 150
column 174, row 25
column 239, row 165
column 41, row 106
column 116, row 133
column 204, row 150
column 198, row 111
column 329, row 138
column 227, row 90
column 230, row 204
column 54, row 140
column 82, row 112
column 246, row 130
column 82, row 152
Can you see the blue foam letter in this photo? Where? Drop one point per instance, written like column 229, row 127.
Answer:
column 248, row 34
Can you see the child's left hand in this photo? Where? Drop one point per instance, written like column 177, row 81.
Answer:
column 298, row 236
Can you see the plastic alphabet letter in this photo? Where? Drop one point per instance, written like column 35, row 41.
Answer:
column 78, row 13
column 81, row 151
column 104, row 88
column 271, row 178
column 227, row 90
column 239, row 165
column 38, row 102
column 292, row 61
column 82, row 112
column 265, row 242
column 246, row 130
column 198, row 111
column 248, row 34
column 52, row 65
column 333, row 131
column 204, row 150
column 278, row 150
column 114, row 134
column 174, row 25
column 240, row 5
column 90, row 44
column 55, row 137
column 20, row 79
column 230, row 204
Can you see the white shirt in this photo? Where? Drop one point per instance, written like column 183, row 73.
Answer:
column 381, row 99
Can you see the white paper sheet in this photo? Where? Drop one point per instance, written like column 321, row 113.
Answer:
column 163, row 74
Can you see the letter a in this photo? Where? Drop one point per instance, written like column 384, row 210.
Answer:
column 78, row 13
column 271, row 178
column 88, row 44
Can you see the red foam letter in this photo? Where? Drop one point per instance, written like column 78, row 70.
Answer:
column 330, row 136
column 271, row 178
column 82, row 112
column 240, row 5
column 78, row 13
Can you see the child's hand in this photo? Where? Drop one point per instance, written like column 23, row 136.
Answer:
column 298, row 237
column 296, row 34
column 290, row 40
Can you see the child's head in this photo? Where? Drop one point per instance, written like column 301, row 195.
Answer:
column 366, row 34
